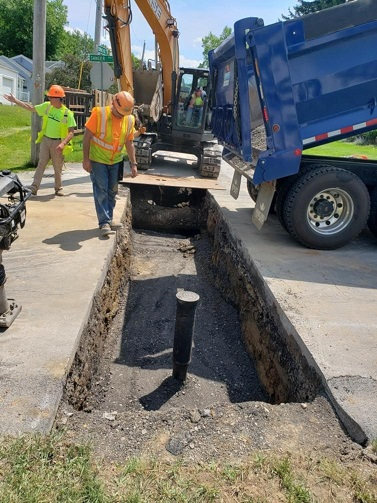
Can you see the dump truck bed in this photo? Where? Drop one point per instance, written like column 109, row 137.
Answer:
column 296, row 84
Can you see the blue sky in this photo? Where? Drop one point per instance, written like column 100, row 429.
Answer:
column 194, row 19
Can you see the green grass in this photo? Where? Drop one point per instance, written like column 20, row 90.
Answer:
column 13, row 117
column 295, row 491
column 46, row 470
column 343, row 149
column 51, row 469
column 15, row 137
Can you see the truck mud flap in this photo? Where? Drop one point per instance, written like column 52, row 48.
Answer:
column 263, row 204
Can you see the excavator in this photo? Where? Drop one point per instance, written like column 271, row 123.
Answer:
column 171, row 102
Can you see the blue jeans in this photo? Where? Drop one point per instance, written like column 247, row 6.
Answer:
column 105, row 187
column 197, row 117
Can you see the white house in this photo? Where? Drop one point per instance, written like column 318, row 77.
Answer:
column 13, row 79
column 16, row 76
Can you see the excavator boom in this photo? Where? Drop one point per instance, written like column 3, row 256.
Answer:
column 164, row 26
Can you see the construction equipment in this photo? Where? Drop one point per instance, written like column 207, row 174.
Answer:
column 13, row 197
column 293, row 85
column 164, row 94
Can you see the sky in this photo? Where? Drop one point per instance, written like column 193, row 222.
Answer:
column 194, row 19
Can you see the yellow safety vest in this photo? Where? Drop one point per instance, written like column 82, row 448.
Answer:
column 63, row 129
column 103, row 141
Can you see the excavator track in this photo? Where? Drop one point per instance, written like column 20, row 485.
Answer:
column 210, row 160
column 143, row 152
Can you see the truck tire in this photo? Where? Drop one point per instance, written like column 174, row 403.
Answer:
column 210, row 160
column 326, row 208
column 281, row 193
column 252, row 190
column 283, row 187
column 372, row 221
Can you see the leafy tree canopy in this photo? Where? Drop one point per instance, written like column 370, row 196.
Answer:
column 212, row 41
column 69, row 75
column 16, row 27
column 307, row 7
column 75, row 42
column 136, row 62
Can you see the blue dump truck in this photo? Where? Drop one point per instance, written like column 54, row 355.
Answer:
column 280, row 89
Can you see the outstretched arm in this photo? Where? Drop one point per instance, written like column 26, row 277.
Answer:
column 22, row 104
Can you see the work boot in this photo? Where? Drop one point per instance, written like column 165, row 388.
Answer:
column 59, row 192
column 115, row 226
column 33, row 189
column 105, row 230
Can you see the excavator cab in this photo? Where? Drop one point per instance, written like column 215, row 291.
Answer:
column 186, row 126
column 191, row 104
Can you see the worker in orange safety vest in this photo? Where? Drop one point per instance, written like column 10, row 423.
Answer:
column 107, row 131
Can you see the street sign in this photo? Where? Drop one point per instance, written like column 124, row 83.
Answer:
column 102, row 49
column 102, row 76
column 101, row 58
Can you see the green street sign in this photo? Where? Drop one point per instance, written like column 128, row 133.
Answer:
column 102, row 49
column 101, row 58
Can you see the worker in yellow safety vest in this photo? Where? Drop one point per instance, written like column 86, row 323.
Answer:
column 196, row 103
column 58, row 123
column 107, row 131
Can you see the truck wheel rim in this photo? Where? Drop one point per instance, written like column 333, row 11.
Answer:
column 330, row 211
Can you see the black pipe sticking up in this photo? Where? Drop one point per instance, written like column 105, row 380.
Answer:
column 184, row 330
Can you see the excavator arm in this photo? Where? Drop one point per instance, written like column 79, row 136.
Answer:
column 157, row 13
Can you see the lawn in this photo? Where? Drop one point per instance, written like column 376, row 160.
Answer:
column 15, row 139
column 344, row 149
column 52, row 469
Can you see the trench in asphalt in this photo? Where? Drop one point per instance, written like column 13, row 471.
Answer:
column 241, row 352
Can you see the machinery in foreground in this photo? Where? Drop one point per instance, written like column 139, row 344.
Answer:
column 13, row 197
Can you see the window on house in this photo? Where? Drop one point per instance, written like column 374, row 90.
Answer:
column 8, row 85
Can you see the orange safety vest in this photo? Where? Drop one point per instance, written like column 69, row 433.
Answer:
column 103, row 147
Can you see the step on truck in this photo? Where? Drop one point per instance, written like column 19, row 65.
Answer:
column 283, row 88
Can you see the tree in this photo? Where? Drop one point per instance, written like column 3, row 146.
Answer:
column 136, row 62
column 212, row 41
column 75, row 43
column 69, row 74
column 16, row 27
column 307, row 7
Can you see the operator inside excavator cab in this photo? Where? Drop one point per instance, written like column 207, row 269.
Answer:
column 195, row 109
column 192, row 101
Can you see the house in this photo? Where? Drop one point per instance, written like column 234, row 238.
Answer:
column 16, row 76
column 14, row 79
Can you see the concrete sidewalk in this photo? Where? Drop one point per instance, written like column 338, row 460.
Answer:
column 326, row 299
column 53, row 270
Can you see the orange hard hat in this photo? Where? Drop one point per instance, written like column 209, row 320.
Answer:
column 123, row 102
column 55, row 92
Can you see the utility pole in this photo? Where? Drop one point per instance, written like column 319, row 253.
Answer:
column 97, row 33
column 39, row 57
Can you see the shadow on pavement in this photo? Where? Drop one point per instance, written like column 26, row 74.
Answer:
column 71, row 240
